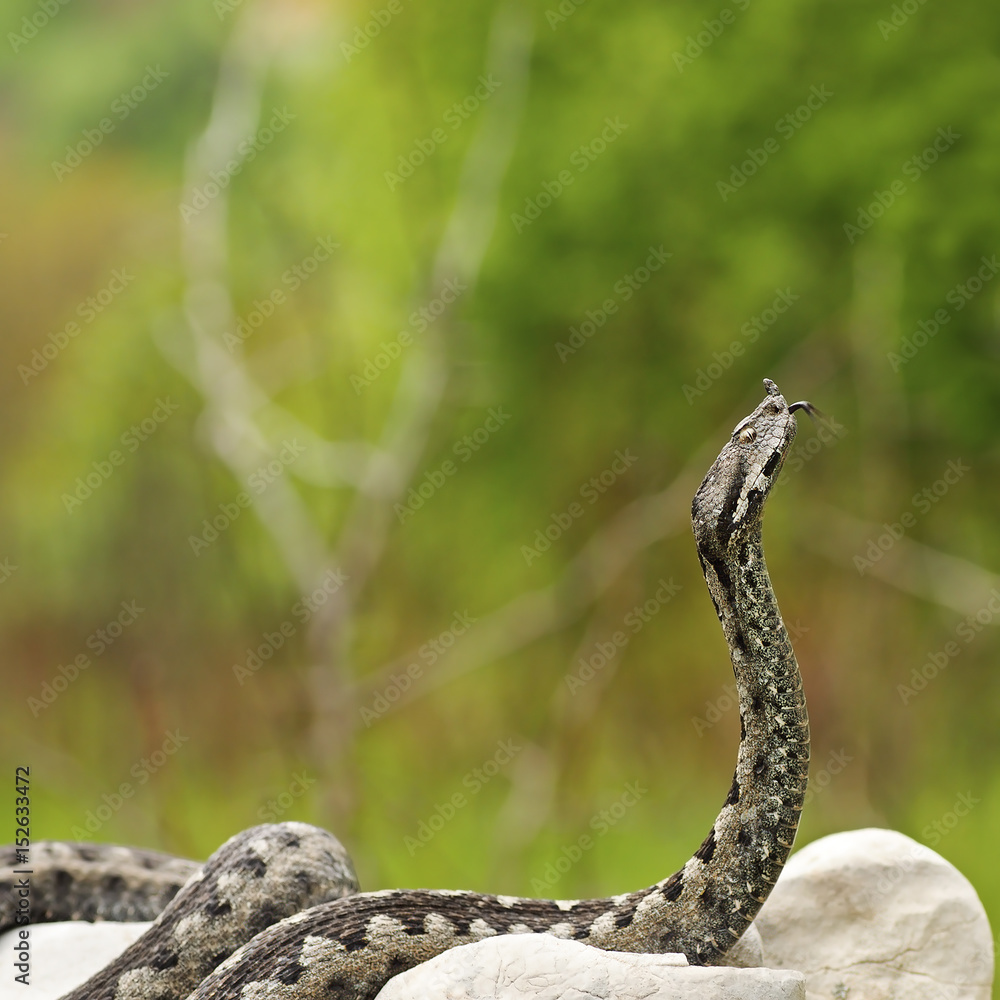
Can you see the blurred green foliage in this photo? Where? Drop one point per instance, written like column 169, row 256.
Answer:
column 717, row 159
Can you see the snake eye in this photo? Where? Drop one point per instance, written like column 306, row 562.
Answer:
column 748, row 434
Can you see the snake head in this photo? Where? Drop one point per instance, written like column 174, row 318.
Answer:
column 730, row 500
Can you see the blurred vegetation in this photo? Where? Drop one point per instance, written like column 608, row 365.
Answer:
column 902, row 403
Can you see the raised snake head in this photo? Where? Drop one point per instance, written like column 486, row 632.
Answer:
column 730, row 500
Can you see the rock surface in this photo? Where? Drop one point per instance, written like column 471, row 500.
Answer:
column 63, row 956
column 516, row 966
column 873, row 915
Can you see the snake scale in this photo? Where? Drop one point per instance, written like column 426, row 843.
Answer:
column 275, row 911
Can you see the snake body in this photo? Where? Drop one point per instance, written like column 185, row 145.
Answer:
column 275, row 912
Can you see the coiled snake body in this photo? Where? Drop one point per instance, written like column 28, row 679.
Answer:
column 275, row 911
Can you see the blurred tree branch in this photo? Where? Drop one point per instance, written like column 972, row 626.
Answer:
column 244, row 425
column 910, row 566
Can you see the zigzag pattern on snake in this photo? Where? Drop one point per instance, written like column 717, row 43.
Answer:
column 275, row 911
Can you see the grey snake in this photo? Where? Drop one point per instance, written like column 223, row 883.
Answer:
column 276, row 911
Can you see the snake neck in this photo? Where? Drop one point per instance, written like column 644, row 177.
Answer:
column 757, row 824
column 744, row 853
column 721, row 888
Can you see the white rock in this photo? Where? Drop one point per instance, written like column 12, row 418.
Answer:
column 63, row 955
column 539, row 966
column 873, row 915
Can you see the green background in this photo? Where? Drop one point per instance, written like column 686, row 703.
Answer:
column 715, row 158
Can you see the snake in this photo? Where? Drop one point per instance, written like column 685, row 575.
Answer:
column 276, row 912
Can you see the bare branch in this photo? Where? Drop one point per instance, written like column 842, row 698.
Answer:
column 425, row 372
column 242, row 423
